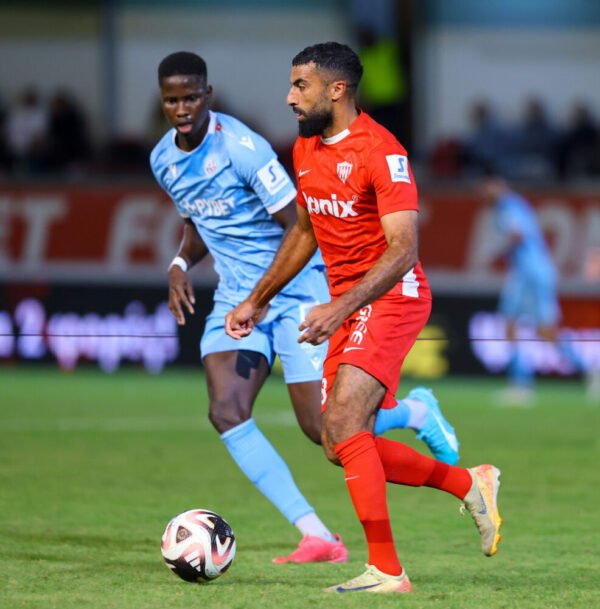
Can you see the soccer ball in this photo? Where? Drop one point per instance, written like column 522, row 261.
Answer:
column 198, row 545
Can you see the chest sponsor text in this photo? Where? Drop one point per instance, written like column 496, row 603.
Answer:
column 331, row 207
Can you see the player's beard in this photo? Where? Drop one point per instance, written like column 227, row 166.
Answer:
column 315, row 123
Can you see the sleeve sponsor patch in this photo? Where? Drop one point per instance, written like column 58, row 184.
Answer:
column 273, row 176
column 398, row 165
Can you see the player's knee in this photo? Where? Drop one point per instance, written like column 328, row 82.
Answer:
column 311, row 426
column 334, row 426
column 313, row 434
column 225, row 414
column 306, row 400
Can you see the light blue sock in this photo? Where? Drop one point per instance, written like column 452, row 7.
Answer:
column 392, row 418
column 566, row 349
column 261, row 463
column 520, row 370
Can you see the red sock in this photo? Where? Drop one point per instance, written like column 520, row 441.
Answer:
column 403, row 465
column 365, row 480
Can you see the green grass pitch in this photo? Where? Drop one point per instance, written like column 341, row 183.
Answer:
column 93, row 466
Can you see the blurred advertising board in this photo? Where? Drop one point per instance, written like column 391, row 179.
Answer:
column 128, row 234
column 106, row 234
column 459, row 246
column 108, row 326
column 83, row 279
column 113, row 326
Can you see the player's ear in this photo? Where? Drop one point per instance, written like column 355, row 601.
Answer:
column 337, row 89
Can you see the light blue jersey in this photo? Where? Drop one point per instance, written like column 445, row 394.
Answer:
column 530, row 288
column 531, row 256
column 229, row 186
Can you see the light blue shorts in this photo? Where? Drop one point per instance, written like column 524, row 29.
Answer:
column 277, row 334
column 531, row 299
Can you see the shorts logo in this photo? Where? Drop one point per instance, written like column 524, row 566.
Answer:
column 330, row 207
column 344, row 170
column 323, row 391
column 317, row 362
column 398, row 166
column 360, row 328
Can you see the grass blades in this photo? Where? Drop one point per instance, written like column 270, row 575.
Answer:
column 93, row 466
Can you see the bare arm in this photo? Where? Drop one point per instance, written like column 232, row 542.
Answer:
column 192, row 249
column 296, row 249
column 401, row 230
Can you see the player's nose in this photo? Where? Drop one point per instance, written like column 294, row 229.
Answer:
column 181, row 109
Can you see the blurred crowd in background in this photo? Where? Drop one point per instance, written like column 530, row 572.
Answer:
column 43, row 135
column 465, row 86
column 50, row 136
column 534, row 148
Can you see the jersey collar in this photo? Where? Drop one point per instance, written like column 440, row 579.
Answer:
column 338, row 137
column 212, row 127
column 334, row 139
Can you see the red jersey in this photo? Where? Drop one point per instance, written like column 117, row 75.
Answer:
column 347, row 183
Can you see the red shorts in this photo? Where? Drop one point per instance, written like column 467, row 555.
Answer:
column 376, row 339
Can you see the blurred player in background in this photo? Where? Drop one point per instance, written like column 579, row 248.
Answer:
column 530, row 292
column 357, row 202
column 235, row 198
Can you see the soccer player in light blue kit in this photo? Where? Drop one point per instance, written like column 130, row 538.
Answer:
column 530, row 290
column 237, row 202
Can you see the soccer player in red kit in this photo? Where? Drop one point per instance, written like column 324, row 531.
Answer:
column 357, row 201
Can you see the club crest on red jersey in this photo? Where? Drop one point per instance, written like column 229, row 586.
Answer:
column 344, row 170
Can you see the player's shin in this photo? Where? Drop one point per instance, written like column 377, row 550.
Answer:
column 365, row 479
column 403, row 465
column 261, row 463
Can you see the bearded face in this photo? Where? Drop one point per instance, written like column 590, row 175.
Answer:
column 314, row 122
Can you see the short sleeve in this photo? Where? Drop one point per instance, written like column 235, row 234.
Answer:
column 392, row 179
column 257, row 164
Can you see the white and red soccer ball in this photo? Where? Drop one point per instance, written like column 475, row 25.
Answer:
column 198, row 545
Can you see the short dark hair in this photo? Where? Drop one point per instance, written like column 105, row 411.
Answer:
column 182, row 63
column 334, row 57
